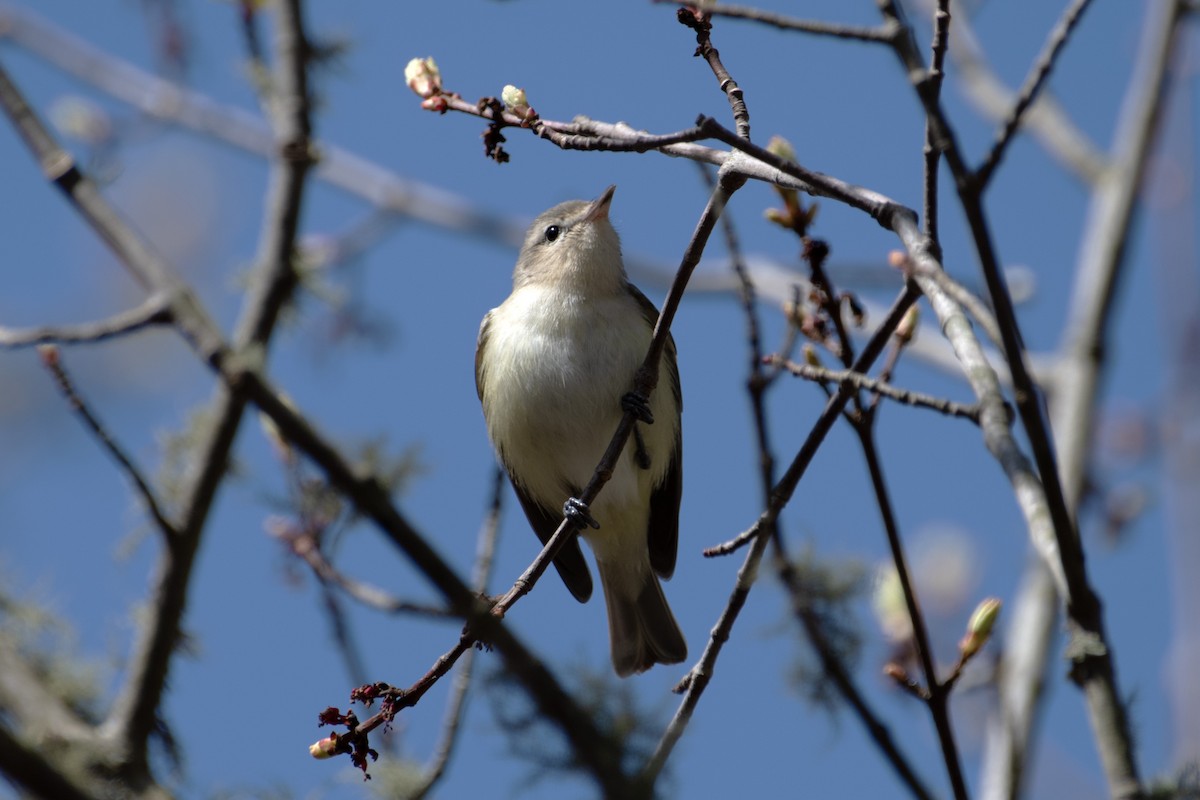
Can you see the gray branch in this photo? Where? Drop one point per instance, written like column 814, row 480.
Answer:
column 1073, row 392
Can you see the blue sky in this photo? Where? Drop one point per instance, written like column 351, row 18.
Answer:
column 264, row 657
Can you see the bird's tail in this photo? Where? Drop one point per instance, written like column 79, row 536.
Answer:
column 642, row 630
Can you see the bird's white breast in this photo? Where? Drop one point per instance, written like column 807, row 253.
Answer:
column 559, row 364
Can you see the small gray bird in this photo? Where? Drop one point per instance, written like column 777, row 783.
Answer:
column 554, row 367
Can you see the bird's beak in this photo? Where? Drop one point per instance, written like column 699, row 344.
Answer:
column 599, row 207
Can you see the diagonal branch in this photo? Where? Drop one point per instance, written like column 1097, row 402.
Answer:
column 1046, row 121
column 52, row 361
column 1030, row 91
column 1078, row 370
column 133, row 716
column 937, row 694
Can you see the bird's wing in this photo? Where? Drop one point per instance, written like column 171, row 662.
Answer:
column 480, row 345
column 662, row 534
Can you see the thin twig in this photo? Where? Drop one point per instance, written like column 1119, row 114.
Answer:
column 1032, row 87
column 700, row 22
column 843, row 681
column 882, row 34
column 937, row 694
column 52, row 361
column 932, row 151
column 1046, row 120
column 815, row 253
column 306, row 546
column 756, row 383
column 156, row 310
column 580, row 134
column 863, row 421
column 867, row 383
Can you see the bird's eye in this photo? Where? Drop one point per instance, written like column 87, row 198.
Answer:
column 552, row 233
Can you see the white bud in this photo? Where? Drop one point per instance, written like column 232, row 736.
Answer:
column 423, row 77
column 514, row 98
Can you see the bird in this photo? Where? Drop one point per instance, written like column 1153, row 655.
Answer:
column 554, row 369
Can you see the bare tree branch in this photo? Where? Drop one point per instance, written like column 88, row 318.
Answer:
column 133, row 716
column 52, row 360
column 1092, row 658
column 832, row 664
column 866, row 382
column 1038, row 76
column 699, row 22
column 1077, row 375
column 931, row 153
column 272, row 283
column 28, row 770
column 1047, row 504
column 882, row 34
column 305, row 546
column 937, row 691
column 1046, row 121
column 155, row 310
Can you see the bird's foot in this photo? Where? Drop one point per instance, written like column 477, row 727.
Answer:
column 578, row 512
column 639, row 405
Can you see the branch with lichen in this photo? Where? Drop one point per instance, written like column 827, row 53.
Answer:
column 134, row 715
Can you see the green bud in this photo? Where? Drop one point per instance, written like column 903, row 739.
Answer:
column 781, row 147
column 979, row 627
